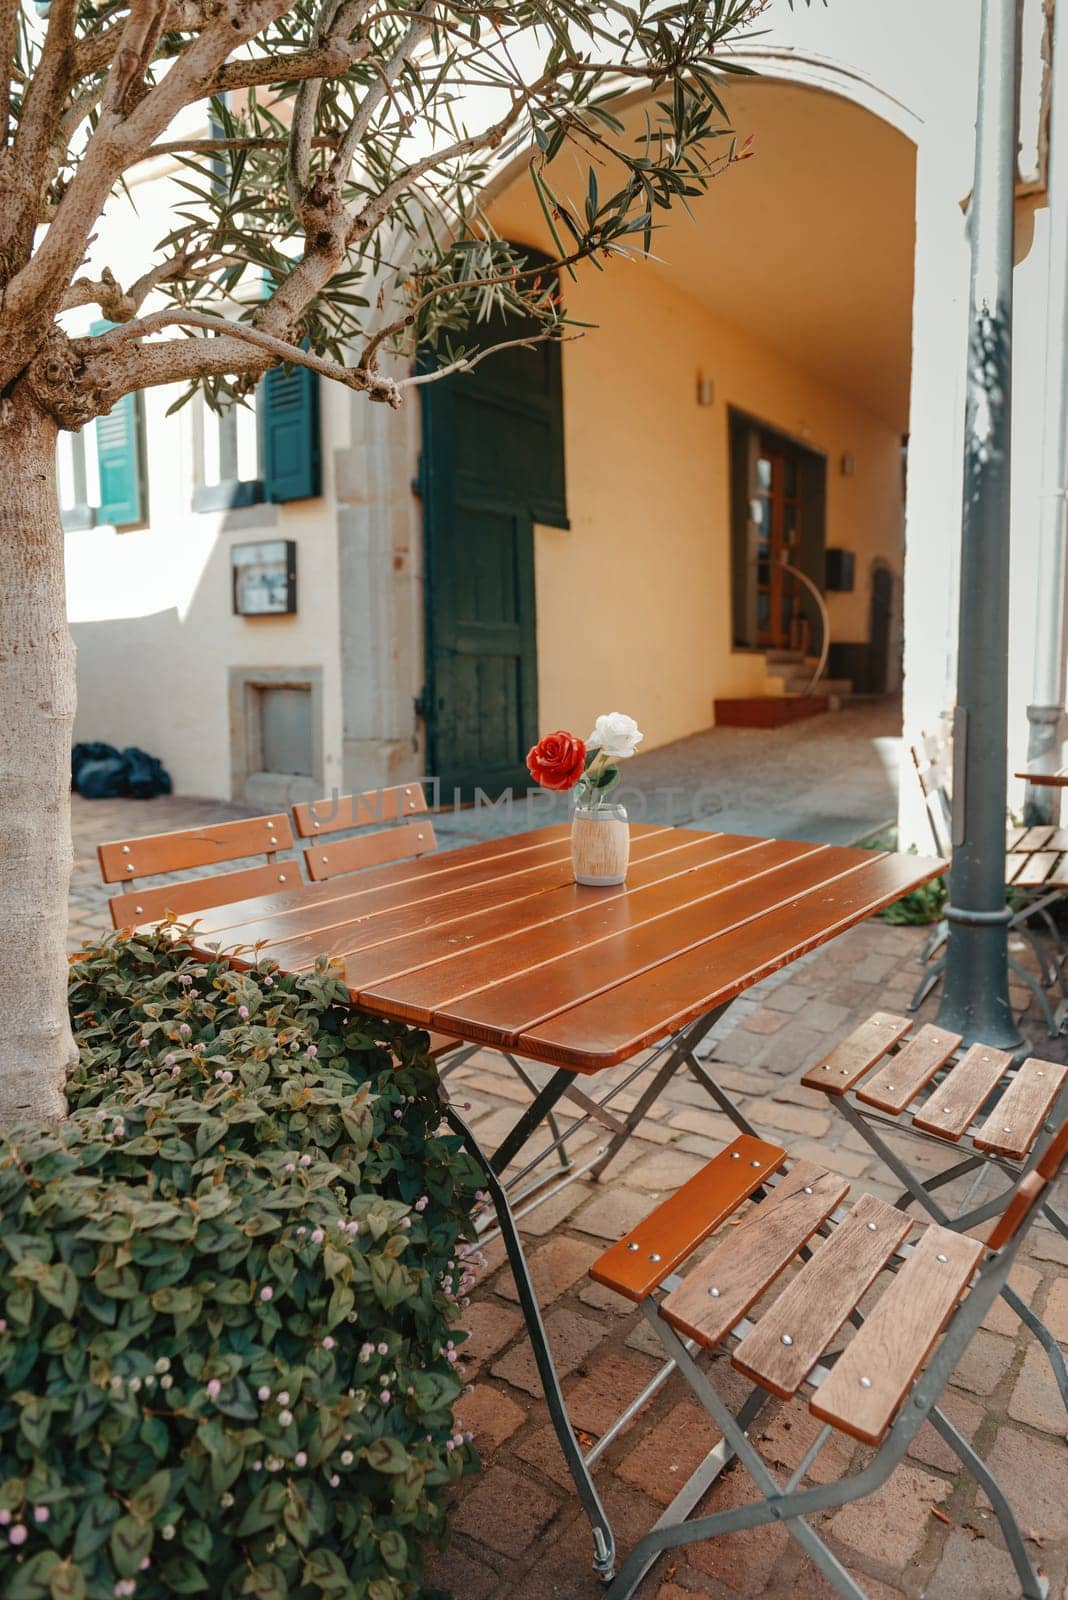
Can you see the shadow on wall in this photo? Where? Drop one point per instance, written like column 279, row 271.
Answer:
column 131, row 687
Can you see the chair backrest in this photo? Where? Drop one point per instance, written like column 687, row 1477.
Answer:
column 1032, row 1186
column 403, row 806
column 125, row 860
column 932, row 757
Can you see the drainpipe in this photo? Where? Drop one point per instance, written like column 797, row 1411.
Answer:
column 1047, row 692
column 975, row 995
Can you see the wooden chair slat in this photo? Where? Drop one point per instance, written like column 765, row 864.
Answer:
column 1058, row 840
column 1030, row 1189
column 125, row 859
column 872, row 1375
column 667, row 1236
column 721, row 1288
column 1036, row 838
column 791, row 1336
column 369, row 850
column 1036, row 870
column 910, row 1070
column 857, row 1054
column 1012, row 1126
column 1014, row 865
column 315, row 818
column 1013, row 837
column 954, row 1104
column 202, row 894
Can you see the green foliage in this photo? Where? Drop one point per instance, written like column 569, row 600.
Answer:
column 228, row 1286
column 919, row 907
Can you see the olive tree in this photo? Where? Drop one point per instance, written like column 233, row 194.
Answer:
column 331, row 217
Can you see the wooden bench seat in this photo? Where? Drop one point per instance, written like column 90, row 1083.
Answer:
column 398, row 815
column 756, row 1256
column 890, row 1075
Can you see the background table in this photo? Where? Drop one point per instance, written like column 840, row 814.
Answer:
column 1050, row 770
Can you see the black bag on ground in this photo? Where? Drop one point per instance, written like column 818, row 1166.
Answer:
column 100, row 772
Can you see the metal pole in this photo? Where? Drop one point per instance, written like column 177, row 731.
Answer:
column 975, row 995
column 1047, row 691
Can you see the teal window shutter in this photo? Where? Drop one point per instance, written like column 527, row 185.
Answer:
column 120, row 438
column 289, row 412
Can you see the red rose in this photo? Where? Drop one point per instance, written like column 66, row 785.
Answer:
column 557, row 761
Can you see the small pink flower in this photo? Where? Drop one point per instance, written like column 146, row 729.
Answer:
column 300, row 1459
column 397, row 1115
column 312, row 1050
column 268, row 982
column 266, row 1293
column 3, row 1324
column 263, row 1392
column 143, row 1044
column 285, row 1418
column 5, row 1516
column 41, row 1513
column 422, row 1203
column 283, row 1397
column 317, row 1236
column 328, row 1343
column 242, row 1012
column 383, row 1349
column 19, row 1533
column 384, row 1397
column 184, row 1029
column 213, row 1389
column 305, row 1160
column 334, row 1480
column 405, row 1222
column 168, row 1059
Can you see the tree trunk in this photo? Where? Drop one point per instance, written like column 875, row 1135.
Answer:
column 37, row 695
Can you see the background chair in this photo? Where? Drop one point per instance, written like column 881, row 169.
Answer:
column 127, row 860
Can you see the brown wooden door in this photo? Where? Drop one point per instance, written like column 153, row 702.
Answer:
column 776, row 514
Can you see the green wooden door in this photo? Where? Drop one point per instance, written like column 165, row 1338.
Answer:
column 492, row 465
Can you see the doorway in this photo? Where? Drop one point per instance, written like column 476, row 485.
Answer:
column 492, row 466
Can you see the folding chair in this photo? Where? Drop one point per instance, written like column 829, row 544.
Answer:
column 1036, row 870
column 126, row 860
column 990, row 1110
column 403, row 831
column 878, row 1385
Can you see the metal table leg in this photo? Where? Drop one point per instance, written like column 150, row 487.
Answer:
column 603, row 1539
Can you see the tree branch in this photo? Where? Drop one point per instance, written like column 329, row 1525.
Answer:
column 332, row 60
column 41, row 108
column 322, row 141
column 9, row 34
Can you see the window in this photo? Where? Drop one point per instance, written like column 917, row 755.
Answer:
column 120, row 458
column 266, row 449
column 77, row 499
column 226, row 453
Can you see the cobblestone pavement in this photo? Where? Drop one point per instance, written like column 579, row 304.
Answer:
column 519, row 1532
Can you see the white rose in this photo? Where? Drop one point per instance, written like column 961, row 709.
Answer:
column 617, row 735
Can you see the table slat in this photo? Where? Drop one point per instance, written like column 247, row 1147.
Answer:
column 613, row 1026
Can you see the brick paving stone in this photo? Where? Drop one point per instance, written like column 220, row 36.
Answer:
column 613, row 1381
column 490, row 1328
column 1046, row 1246
column 788, row 999
column 739, row 1048
column 891, row 1525
column 772, row 1113
column 783, row 1439
column 742, row 1561
column 764, row 1021
column 1038, row 1473
column 554, row 1267
column 613, row 1213
column 665, row 1171
column 571, row 1338
column 460, row 1575
column 540, row 1448
column 548, row 1216
column 661, row 1461
column 872, row 969
column 504, row 1511
column 1001, row 1318
column 972, row 1569
column 984, row 1363
column 1035, row 1398
column 603, row 1299
column 929, row 1447
column 809, row 1583
column 707, row 1124
column 491, row 1415
column 1055, row 1315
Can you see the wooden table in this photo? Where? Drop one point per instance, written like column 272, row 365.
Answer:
column 1050, row 770
column 495, row 945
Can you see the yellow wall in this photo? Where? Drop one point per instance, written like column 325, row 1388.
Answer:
column 634, row 600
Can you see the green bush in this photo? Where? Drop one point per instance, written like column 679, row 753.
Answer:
column 228, row 1284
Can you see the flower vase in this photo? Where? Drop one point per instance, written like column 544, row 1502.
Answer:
column 600, row 845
